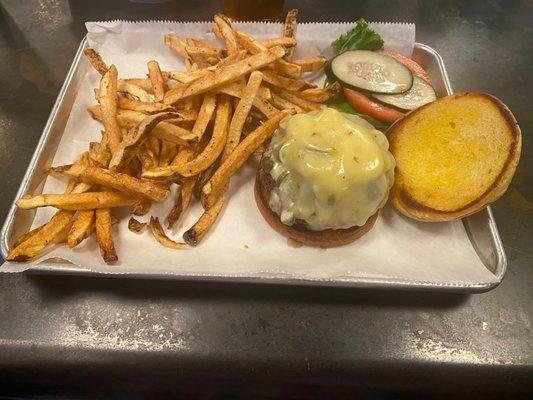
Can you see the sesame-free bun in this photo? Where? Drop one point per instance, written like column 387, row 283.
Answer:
column 453, row 156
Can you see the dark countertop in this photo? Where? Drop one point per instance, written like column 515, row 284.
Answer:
column 78, row 336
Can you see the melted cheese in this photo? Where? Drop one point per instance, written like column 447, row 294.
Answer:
column 332, row 171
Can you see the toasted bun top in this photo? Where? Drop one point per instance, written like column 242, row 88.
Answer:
column 453, row 156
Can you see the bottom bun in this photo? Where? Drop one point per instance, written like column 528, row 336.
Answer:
column 326, row 238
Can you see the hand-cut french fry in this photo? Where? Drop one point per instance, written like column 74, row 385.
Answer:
column 104, row 235
column 211, row 152
column 164, row 130
column 182, row 202
column 74, row 169
column 288, row 29
column 283, row 82
column 190, row 115
column 81, row 228
column 265, row 107
column 224, row 75
column 177, row 45
column 253, row 46
column 241, row 113
column 158, row 132
column 282, row 103
column 108, row 107
column 225, row 30
column 318, row 95
column 217, row 184
column 38, row 241
column 304, row 104
column 138, row 88
column 158, row 85
column 185, row 154
column 311, row 64
column 260, row 101
column 62, row 236
column 24, row 237
column 141, row 207
column 167, row 153
column 204, row 116
column 124, row 183
column 195, row 234
column 76, row 201
column 136, row 226
column 161, row 237
column 96, row 61
column 206, row 45
column 202, row 54
column 124, row 152
column 282, row 41
column 236, row 89
column 141, row 106
column 99, row 154
column 232, row 58
column 203, row 178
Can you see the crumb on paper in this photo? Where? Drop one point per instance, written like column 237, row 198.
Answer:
column 293, row 243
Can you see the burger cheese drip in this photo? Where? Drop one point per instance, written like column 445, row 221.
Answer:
column 332, row 171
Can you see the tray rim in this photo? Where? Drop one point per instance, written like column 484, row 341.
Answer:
column 51, row 267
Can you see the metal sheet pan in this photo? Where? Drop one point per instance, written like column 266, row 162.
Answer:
column 480, row 227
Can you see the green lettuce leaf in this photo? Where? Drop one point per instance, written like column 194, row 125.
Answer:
column 362, row 37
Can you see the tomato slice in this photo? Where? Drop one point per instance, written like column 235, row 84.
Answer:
column 413, row 66
column 365, row 105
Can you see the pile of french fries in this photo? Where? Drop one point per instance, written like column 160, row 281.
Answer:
column 193, row 128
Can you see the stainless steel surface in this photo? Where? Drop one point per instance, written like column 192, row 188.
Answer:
column 481, row 227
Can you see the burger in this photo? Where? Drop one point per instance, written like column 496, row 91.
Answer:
column 324, row 177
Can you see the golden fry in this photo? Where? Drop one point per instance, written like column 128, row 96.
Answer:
column 96, row 61
column 241, row 113
column 163, row 130
column 283, row 82
column 125, row 150
column 141, row 207
column 108, row 105
column 282, row 41
column 136, row 226
column 236, row 89
column 204, row 116
column 253, row 46
column 318, row 95
column 81, row 228
column 137, row 88
column 75, row 201
column 213, row 190
column 161, row 237
column 194, row 235
column 182, row 202
column 104, row 235
column 167, row 153
column 141, row 106
column 124, row 183
column 302, row 103
column 224, row 28
column 158, row 85
column 311, row 64
column 177, row 45
column 288, row 29
column 209, row 154
column 283, row 104
column 43, row 236
column 225, row 74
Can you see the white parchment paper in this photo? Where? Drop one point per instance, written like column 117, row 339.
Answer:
column 242, row 244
